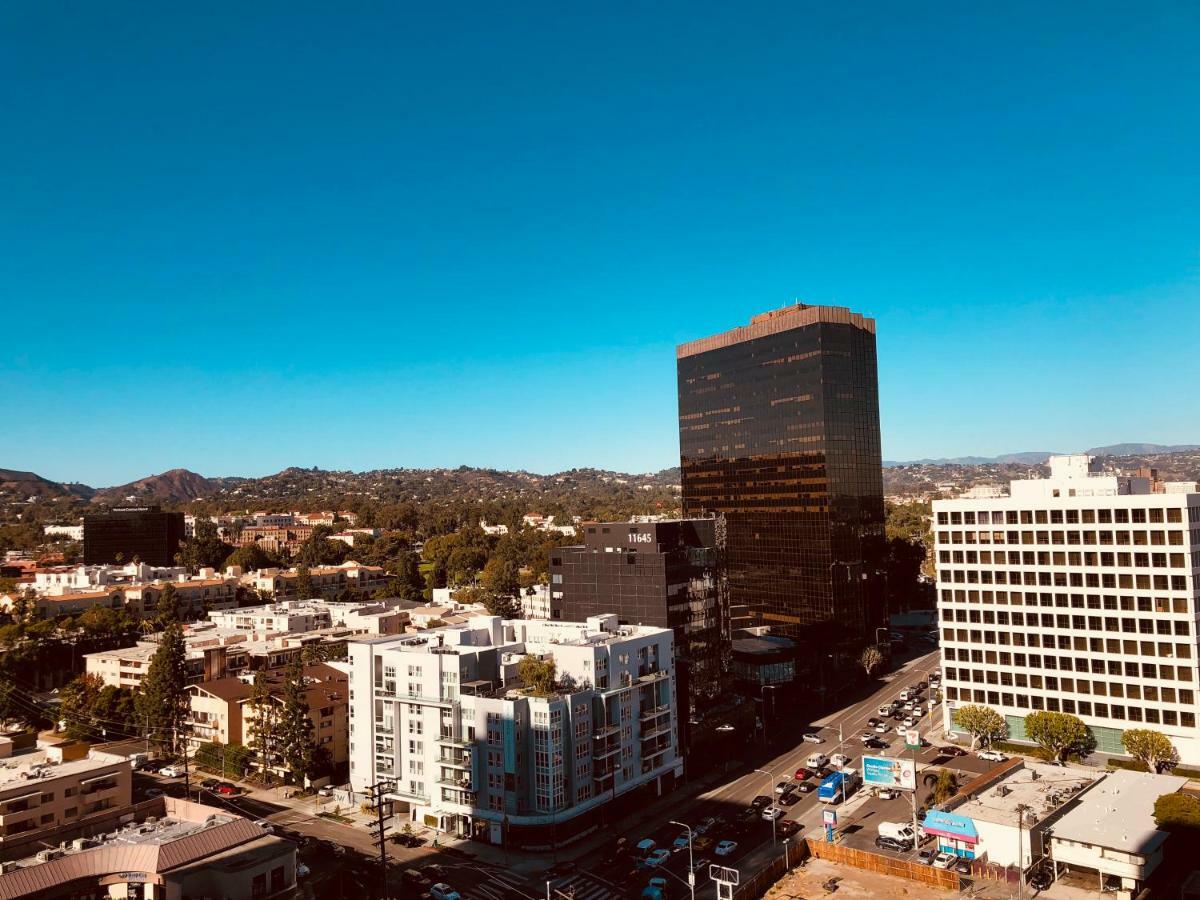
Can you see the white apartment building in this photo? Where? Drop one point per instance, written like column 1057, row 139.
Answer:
column 1075, row 593
column 470, row 750
column 58, row 580
column 368, row 616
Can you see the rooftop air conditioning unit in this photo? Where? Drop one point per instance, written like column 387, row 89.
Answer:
column 10, row 866
column 47, row 855
column 81, row 844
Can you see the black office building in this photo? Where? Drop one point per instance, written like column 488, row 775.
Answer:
column 664, row 574
column 779, row 431
column 121, row 534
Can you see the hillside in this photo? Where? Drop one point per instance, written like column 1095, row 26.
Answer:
column 174, row 486
column 21, row 486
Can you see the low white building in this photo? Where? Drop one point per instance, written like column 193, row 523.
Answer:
column 74, row 532
column 444, row 717
column 368, row 616
column 1112, row 832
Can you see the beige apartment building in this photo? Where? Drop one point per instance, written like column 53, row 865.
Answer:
column 60, row 786
column 221, row 711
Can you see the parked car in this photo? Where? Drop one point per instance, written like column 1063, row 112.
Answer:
column 813, row 738
column 225, row 789
column 443, row 891
column 921, row 685
column 725, row 848
column 772, row 813
column 991, row 755
column 888, row 793
column 887, row 843
column 154, row 792
column 787, row 827
column 680, row 843
column 962, row 867
column 760, row 802
column 265, row 826
column 171, row 771
column 925, row 857
column 646, row 846
column 951, row 750
column 944, row 860
column 209, row 783
column 1040, row 880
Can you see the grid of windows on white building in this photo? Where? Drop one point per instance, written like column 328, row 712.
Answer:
column 1075, row 593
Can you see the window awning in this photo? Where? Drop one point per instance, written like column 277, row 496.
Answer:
column 948, row 825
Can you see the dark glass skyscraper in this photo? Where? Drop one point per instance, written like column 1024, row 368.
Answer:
column 779, row 430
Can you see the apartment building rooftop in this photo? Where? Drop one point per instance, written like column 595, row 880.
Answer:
column 1119, row 812
column 187, row 833
column 1040, row 787
column 486, row 631
column 29, row 768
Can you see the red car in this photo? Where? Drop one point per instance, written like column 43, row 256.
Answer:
column 227, row 790
column 801, row 774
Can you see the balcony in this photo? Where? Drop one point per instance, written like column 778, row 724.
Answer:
column 598, row 753
column 462, row 784
column 402, row 792
column 462, row 761
column 651, row 677
column 450, row 740
column 656, row 732
column 604, row 731
column 654, row 712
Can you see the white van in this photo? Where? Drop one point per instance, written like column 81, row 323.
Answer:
column 817, row 761
column 897, row 831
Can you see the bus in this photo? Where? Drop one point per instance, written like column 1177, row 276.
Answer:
column 838, row 786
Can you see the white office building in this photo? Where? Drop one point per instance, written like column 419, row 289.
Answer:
column 1076, row 593
column 471, row 750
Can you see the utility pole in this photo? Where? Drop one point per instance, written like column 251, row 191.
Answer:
column 691, row 862
column 379, row 828
column 1021, row 810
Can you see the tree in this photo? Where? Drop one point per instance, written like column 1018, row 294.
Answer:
column 870, row 660
column 164, row 703
column 983, row 723
column 24, row 606
column 167, row 609
column 304, row 588
column 319, row 550
column 537, row 675
column 1151, row 748
column 251, row 557
column 1179, row 813
column 504, row 606
column 228, row 759
column 294, row 728
column 409, row 584
column 1059, row 734
column 501, row 576
column 204, row 548
column 262, row 709
column 945, row 786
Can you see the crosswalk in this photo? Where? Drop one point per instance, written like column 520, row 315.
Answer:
column 582, row 886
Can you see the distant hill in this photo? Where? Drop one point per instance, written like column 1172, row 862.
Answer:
column 23, row 485
column 1141, row 449
column 1037, row 457
column 174, row 486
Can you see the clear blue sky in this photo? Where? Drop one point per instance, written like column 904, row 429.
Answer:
column 240, row 236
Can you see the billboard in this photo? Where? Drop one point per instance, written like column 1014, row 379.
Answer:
column 884, row 771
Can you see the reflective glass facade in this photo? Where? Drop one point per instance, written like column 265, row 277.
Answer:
column 779, row 430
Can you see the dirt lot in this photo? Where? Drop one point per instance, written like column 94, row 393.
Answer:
column 852, row 884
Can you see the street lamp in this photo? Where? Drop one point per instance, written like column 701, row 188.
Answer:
column 771, row 779
column 691, row 867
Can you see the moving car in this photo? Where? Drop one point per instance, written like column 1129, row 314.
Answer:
column 701, row 864
column 656, row 889
column 817, row 761
column 813, row 738
column 773, row 813
column 225, row 789
column 839, row 760
column 787, row 827
column 703, row 826
column 760, row 802
column 909, row 721
column 657, row 858
column 789, row 799
column 802, row 774
column 725, row 848
column 804, row 787
column 873, row 721
column 646, row 846
column 783, row 787
column 443, row 891
column 951, row 750
column 882, row 728
column 209, row 783
column 885, row 710
column 944, row 860
column 888, row 793
column 874, row 743
column 991, row 755
column 680, row 843
column 866, row 736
